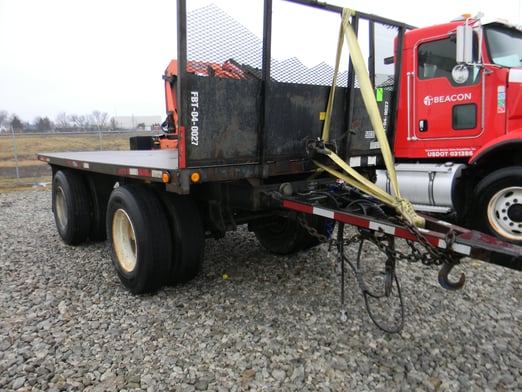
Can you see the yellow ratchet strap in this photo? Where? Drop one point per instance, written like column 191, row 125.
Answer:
column 352, row 177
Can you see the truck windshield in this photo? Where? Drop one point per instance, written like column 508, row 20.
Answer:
column 504, row 45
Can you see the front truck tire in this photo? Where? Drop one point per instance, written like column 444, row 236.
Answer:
column 140, row 239
column 71, row 207
column 498, row 204
column 284, row 235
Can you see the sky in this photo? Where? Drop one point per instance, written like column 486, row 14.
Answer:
column 77, row 56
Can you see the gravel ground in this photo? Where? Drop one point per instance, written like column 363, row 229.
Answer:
column 66, row 323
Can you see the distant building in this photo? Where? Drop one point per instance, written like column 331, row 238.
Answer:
column 133, row 122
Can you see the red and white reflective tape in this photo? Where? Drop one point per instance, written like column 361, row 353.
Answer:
column 76, row 164
column 432, row 237
column 140, row 172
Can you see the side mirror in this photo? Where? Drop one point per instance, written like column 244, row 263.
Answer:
column 464, row 44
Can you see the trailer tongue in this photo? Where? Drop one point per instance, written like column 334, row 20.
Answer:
column 439, row 243
column 444, row 242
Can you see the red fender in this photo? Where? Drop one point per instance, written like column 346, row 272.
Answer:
column 510, row 139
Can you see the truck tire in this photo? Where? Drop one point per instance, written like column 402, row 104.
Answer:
column 498, row 204
column 285, row 235
column 70, row 205
column 100, row 188
column 188, row 237
column 139, row 235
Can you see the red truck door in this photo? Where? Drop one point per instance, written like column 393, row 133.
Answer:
column 445, row 104
column 447, row 111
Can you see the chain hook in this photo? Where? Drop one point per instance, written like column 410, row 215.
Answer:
column 449, row 262
column 445, row 282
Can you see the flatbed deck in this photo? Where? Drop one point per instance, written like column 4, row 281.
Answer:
column 135, row 163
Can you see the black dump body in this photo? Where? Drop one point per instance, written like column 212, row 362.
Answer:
column 253, row 86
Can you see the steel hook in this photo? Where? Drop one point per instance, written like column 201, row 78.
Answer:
column 444, row 280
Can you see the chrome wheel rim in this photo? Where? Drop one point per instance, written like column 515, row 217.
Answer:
column 505, row 213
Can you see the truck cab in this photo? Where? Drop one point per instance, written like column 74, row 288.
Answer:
column 458, row 135
column 456, row 109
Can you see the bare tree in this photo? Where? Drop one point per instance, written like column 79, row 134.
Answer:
column 114, row 124
column 43, row 124
column 100, row 119
column 79, row 121
column 16, row 123
column 62, row 121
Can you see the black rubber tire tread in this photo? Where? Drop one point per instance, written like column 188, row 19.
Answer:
column 188, row 237
column 74, row 227
column 285, row 235
column 486, row 189
column 152, row 236
column 100, row 188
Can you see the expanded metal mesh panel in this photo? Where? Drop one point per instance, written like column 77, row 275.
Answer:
column 215, row 37
column 304, row 42
column 304, row 45
column 293, row 71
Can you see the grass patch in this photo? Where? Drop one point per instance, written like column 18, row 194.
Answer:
column 33, row 173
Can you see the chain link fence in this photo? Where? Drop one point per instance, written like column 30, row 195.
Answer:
column 19, row 167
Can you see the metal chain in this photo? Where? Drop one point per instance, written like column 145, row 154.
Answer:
column 432, row 254
column 301, row 218
column 429, row 255
column 386, row 246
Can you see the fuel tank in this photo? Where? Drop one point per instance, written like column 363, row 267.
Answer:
column 428, row 186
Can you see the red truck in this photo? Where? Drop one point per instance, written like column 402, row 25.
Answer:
column 457, row 139
column 253, row 140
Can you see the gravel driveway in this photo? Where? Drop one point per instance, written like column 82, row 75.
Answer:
column 270, row 324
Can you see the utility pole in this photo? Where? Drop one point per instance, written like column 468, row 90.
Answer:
column 15, row 155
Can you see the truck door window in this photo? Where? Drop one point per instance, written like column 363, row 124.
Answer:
column 436, row 59
column 464, row 116
column 504, row 45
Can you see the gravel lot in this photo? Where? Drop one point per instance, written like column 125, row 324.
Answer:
column 66, row 323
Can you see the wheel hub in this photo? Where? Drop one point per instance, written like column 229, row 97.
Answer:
column 515, row 213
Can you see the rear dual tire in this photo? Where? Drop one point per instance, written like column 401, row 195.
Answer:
column 139, row 234
column 79, row 204
column 71, row 206
column 187, row 236
column 156, row 238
